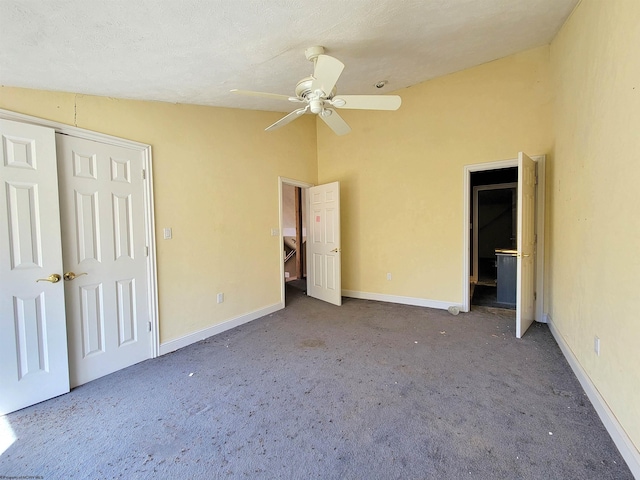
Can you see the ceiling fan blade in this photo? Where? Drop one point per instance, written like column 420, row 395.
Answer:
column 326, row 73
column 287, row 119
column 274, row 96
column 367, row 102
column 335, row 122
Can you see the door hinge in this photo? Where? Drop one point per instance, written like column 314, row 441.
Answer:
column 144, row 175
column 146, row 251
column 535, row 238
column 535, row 297
column 149, row 323
column 536, row 180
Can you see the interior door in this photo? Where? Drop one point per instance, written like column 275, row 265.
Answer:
column 525, row 284
column 105, row 264
column 33, row 342
column 323, row 246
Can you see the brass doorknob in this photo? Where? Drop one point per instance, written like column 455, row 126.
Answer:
column 53, row 278
column 70, row 276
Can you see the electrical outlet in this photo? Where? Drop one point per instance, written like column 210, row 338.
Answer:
column 286, row 274
column 596, row 345
column 220, row 297
column 389, row 276
column 167, row 234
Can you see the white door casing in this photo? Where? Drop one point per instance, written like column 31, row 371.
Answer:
column 33, row 343
column 526, row 261
column 103, row 233
column 540, row 219
column 323, row 244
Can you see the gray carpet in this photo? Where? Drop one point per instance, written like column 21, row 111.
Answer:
column 365, row 391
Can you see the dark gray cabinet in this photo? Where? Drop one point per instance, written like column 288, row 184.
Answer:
column 507, row 271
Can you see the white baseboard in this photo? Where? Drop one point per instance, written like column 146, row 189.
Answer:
column 626, row 447
column 418, row 302
column 173, row 345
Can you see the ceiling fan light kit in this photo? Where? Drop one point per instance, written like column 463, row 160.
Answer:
column 319, row 93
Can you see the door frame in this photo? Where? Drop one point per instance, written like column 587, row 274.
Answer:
column 540, row 213
column 474, row 222
column 150, row 239
column 293, row 183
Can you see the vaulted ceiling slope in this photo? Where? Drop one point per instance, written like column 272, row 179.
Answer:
column 195, row 51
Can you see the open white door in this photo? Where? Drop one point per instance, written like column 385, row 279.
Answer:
column 525, row 286
column 33, row 342
column 323, row 245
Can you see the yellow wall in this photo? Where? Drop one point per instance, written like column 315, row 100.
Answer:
column 593, row 195
column 216, row 184
column 402, row 177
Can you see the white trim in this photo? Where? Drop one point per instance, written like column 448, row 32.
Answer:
column 145, row 151
column 466, row 220
column 625, row 445
column 173, row 345
column 293, row 183
column 540, row 215
column 540, row 205
column 418, row 302
column 150, row 234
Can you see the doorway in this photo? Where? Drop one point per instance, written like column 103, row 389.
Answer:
column 494, row 197
column 537, row 203
column 293, row 235
column 323, row 252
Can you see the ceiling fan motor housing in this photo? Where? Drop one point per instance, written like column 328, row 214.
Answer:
column 303, row 89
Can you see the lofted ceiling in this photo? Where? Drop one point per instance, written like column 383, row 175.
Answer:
column 195, row 51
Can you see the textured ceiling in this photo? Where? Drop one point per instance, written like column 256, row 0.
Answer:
column 195, row 51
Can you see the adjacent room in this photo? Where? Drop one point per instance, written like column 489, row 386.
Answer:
column 386, row 239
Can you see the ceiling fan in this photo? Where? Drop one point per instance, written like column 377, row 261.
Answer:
column 319, row 93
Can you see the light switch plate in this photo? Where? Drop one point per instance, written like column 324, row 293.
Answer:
column 167, row 234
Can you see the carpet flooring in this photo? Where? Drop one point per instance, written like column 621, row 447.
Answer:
column 368, row 390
